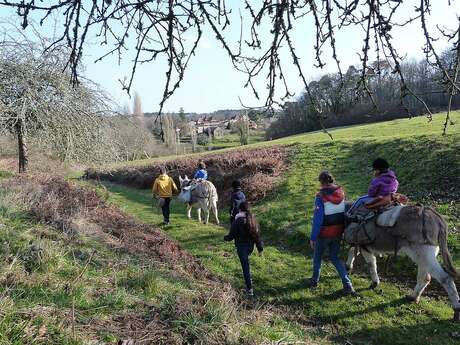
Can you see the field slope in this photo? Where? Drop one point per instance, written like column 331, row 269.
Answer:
column 428, row 167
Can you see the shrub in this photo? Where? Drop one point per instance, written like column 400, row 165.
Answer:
column 203, row 139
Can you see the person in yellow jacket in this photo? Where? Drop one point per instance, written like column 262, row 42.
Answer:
column 164, row 187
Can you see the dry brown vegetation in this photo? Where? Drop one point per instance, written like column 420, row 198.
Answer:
column 258, row 169
column 74, row 209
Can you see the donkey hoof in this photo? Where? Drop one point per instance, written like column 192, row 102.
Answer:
column 456, row 317
column 373, row 286
column 412, row 299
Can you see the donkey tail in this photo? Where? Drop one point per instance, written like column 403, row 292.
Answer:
column 449, row 266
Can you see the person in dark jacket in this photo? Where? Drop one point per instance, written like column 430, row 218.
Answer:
column 237, row 198
column 245, row 232
column 327, row 229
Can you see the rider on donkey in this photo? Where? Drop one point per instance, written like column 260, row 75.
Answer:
column 382, row 186
column 201, row 173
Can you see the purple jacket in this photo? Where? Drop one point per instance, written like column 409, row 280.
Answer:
column 383, row 185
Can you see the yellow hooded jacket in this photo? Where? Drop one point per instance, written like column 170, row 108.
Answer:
column 164, row 186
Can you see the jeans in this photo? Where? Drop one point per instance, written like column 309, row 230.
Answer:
column 165, row 209
column 359, row 202
column 333, row 244
column 244, row 250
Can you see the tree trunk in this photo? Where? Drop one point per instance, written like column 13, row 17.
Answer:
column 22, row 146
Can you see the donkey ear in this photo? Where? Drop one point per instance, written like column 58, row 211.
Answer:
column 180, row 179
column 186, row 177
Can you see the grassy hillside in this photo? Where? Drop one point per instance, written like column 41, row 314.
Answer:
column 428, row 166
column 402, row 128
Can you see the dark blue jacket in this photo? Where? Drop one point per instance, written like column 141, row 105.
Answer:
column 236, row 200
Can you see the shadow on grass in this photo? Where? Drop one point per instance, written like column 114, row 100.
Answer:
column 285, row 218
column 434, row 332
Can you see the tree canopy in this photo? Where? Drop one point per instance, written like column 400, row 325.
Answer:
column 36, row 96
column 157, row 28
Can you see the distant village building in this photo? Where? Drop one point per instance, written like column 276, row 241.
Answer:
column 216, row 128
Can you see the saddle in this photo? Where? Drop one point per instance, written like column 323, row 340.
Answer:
column 364, row 223
column 389, row 216
column 386, row 216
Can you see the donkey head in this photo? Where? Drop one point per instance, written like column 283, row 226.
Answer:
column 184, row 182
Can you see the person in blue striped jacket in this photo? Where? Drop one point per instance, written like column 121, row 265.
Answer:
column 327, row 229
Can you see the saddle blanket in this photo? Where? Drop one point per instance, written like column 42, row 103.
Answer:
column 389, row 218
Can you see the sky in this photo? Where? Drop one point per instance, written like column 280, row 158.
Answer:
column 211, row 83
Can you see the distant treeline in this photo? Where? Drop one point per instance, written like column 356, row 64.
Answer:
column 342, row 102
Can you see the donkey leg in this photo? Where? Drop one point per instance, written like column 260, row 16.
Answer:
column 423, row 279
column 425, row 255
column 418, row 256
column 189, row 211
column 438, row 273
column 215, row 211
column 353, row 252
column 371, row 261
column 199, row 214
column 206, row 213
column 204, row 206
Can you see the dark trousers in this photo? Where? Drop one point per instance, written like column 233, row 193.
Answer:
column 244, row 250
column 333, row 245
column 165, row 209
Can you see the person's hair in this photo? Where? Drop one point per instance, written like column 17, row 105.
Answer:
column 380, row 164
column 163, row 170
column 325, row 177
column 201, row 165
column 236, row 184
column 253, row 226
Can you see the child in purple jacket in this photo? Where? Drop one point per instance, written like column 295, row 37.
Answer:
column 383, row 184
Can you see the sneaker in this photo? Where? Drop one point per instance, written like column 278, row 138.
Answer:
column 348, row 290
column 250, row 292
column 165, row 223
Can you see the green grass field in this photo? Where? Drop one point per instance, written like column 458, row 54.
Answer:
column 428, row 166
column 233, row 140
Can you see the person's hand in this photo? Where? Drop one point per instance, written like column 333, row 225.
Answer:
column 312, row 244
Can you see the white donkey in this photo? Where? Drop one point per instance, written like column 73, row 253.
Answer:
column 419, row 233
column 202, row 194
